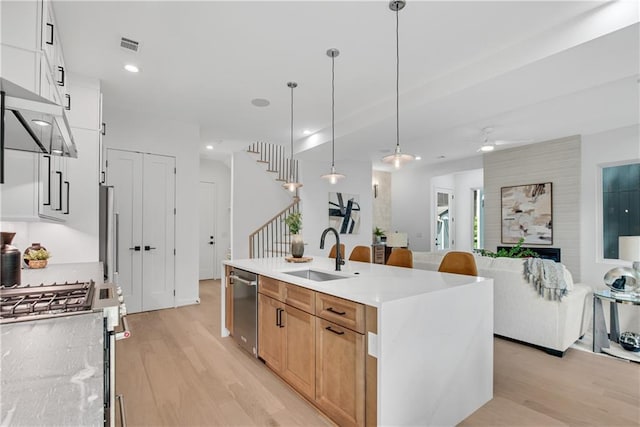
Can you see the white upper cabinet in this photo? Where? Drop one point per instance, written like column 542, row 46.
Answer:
column 86, row 93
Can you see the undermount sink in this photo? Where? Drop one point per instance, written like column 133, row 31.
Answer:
column 318, row 276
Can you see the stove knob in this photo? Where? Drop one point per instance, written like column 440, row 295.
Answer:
column 119, row 290
column 120, row 298
column 123, row 310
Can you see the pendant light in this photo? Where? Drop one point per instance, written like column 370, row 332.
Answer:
column 292, row 184
column 398, row 158
column 333, row 177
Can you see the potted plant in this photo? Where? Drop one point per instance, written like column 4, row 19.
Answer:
column 37, row 258
column 515, row 252
column 294, row 222
column 378, row 233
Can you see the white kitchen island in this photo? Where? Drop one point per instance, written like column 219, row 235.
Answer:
column 434, row 346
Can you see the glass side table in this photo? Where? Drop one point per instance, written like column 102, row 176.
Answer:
column 601, row 341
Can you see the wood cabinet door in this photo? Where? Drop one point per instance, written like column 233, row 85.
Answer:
column 340, row 380
column 270, row 314
column 298, row 357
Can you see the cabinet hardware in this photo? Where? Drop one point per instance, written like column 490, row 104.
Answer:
column 2, row 95
column 61, row 81
column 148, row 248
column 277, row 317
column 280, row 318
column 104, row 128
column 68, row 190
column 135, row 248
column 59, row 208
column 48, row 202
column 117, row 245
column 50, row 41
column 68, row 106
column 104, row 177
column 328, row 328
column 341, row 313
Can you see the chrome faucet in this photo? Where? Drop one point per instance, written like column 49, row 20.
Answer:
column 339, row 256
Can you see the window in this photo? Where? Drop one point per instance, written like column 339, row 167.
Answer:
column 620, row 205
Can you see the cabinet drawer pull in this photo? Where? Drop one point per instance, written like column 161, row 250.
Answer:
column 68, row 189
column 341, row 313
column 48, row 202
column 104, row 129
column 328, row 328
column 280, row 318
column 50, row 41
column 59, row 208
column 61, row 81
column 68, row 106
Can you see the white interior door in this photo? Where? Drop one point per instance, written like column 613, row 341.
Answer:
column 124, row 173
column 207, row 239
column 443, row 221
column 158, row 232
column 144, row 202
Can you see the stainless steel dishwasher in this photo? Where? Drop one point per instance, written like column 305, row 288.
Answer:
column 245, row 309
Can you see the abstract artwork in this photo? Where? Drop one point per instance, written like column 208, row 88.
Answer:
column 526, row 213
column 344, row 212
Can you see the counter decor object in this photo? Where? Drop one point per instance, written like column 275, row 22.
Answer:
column 298, row 260
column 630, row 341
column 36, row 256
column 10, row 274
column 294, row 222
column 34, row 247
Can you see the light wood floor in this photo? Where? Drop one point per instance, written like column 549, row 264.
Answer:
column 176, row 370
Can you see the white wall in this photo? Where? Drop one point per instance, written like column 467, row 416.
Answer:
column 256, row 197
column 412, row 192
column 556, row 161
column 135, row 131
column 220, row 174
column 315, row 204
column 382, row 203
column 603, row 149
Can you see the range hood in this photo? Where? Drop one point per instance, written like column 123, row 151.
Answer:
column 33, row 123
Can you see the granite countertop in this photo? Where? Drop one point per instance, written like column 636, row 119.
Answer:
column 52, row 371
column 60, row 273
column 366, row 283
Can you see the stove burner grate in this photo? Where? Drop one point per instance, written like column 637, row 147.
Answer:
column 19, row 301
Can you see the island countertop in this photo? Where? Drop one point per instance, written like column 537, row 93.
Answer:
column 366, row 283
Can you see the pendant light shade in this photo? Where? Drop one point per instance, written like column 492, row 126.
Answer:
column 398, row 158
column 334, row 176
column 292, row 183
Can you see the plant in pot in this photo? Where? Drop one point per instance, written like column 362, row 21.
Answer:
column 515, row 252
column 37, row 258
column 378, row 233
column 294, row 222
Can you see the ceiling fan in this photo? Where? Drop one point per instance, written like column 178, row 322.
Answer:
column 488, row 145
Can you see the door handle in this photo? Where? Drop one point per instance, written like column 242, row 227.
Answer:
column 135, row 248
column 212, row 243
column 148, row 248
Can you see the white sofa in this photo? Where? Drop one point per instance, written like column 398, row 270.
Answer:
column 520, row 313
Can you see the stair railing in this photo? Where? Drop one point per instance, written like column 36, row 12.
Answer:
column 273, row 238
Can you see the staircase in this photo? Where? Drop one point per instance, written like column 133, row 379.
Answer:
column 273, row 239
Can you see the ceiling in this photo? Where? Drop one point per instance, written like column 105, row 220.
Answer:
column 533, row 71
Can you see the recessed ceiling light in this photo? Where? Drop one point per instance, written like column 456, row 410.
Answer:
column 131, row 68
column 486, row 148
column 306, row 132
column 209, row 147
column 40, row 122
column 260, row 102
column 418, row 158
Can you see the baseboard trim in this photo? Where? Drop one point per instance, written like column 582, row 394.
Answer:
column 551, row 351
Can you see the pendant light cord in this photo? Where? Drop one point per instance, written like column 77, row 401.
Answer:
column 292, row 127
column 333, row 103
column 397, row 83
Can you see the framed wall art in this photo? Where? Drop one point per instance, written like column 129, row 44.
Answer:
column 344, row 212
column 527, row 213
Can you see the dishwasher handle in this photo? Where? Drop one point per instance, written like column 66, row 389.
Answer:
column 245, row 281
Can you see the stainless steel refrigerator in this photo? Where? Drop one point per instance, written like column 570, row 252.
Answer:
column 108, row 234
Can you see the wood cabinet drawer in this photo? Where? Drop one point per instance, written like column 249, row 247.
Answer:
column 271, row 287
column 341, row 311
column 301, row 298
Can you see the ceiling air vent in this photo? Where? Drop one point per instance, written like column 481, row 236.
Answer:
column 129, row 44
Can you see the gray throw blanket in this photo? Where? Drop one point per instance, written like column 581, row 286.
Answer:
column 546, row 276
